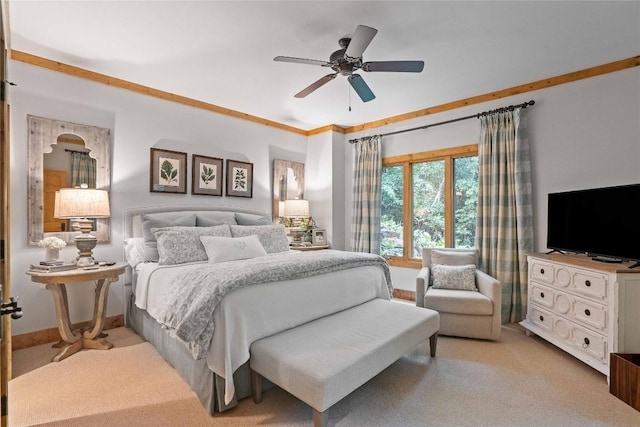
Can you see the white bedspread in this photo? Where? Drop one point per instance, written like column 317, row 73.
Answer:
column 251, row 313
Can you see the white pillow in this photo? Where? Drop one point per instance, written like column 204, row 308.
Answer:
column 462, row 277
column 220, row 249
column 134, row 250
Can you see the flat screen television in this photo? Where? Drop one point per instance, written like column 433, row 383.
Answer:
column 601, row 222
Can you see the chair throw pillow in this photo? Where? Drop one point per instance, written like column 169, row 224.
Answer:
column 462, row 277
column 220, row 249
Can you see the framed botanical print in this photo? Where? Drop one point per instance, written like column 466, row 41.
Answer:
column 318, row 237
column 239, row 179
column 168, row 171
column 207, row 175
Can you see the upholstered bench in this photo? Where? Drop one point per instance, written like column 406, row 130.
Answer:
column 322, row 361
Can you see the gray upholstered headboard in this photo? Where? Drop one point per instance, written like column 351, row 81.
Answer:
column 133, row 225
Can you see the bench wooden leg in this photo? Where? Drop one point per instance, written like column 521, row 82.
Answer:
column 320, row 418
column 433, row 343
column 256, row 386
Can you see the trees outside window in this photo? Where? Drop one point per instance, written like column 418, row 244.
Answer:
column 435, row 194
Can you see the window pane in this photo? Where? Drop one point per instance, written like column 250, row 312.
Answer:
column 392, row 225
column 465, row 201
column 428, row 206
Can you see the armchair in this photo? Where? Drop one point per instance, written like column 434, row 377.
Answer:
column 463, row 313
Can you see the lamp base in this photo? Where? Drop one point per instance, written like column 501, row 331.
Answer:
column 85, row 243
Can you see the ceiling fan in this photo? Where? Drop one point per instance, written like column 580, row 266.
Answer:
column 348, row 59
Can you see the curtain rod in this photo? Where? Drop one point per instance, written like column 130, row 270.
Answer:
column 474, row 116
column 74, row 151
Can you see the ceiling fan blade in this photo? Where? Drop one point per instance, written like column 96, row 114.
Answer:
column 362, row 89
column 398, row 66
column 315, row 85
column 359, row 42
column 301, row 61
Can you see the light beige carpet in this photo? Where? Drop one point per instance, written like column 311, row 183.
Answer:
column 519, row 381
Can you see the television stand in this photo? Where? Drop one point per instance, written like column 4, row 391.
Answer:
column 607, row 259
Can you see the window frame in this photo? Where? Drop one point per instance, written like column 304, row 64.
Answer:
column 406, row 161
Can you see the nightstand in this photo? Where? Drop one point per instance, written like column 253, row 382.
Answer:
column 74, row 341
column 310, row 248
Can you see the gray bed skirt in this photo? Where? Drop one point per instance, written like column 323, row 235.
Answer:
column 205, row 383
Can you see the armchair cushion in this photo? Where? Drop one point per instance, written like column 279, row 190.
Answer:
column 460, row 302
column 462, row 277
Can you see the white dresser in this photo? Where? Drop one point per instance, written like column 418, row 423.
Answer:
column 587, row 308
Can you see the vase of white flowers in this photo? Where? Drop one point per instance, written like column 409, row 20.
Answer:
column 52, row 247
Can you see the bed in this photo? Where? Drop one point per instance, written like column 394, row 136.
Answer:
column 243, row 300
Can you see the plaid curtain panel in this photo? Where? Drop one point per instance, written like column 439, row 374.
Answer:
column 367, row 193
column 504, row 232
column 83, row 170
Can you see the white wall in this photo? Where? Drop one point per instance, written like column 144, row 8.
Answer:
column 582, row 134
column 137, row 122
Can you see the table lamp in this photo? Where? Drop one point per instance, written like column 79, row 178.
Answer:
column 296, row 209
column 81, row 205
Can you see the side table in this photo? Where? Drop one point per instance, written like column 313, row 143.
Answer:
column 74, row 341
column 309, row 247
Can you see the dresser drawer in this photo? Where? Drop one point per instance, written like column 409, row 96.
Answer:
column 590, row 285
column 542, row 295
column 541, row 318
column 541, row 271
column 590, row 314
column 589, row 342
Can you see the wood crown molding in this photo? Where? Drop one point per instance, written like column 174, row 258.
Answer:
column 515, row 90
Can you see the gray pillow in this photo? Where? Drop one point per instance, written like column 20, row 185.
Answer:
column 251, row 219
column 149, row 222
column 453, row 257
column 178, row 245
column 461, row 277
column 273, row 237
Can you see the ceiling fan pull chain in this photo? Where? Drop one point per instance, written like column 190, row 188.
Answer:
column 349, row 90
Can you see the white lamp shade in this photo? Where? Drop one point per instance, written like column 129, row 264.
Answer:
column 81, row 203
column 296, row 208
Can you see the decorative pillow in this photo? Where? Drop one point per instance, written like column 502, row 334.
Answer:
column 461, row 277
column 211, row 219
column 251, row 219
column 453, row 257
column 178, row 245
column 221, row 249
column 134, row 250
column 149, row 222
column 273, row 237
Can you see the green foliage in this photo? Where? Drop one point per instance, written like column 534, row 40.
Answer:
column 240, row 180
column 428, row 221
column 207, row 175
column 168, row 172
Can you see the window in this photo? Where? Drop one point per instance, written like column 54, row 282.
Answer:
column 428, row 199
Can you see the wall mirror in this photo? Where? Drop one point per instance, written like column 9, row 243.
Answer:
column 45, row 135
column 288, row 183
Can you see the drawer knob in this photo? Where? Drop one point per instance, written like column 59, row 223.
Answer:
column 587, row 283
column 586, row 343
column 541, row 294
column 541, row 318
column 542, row 271
column 587, row 312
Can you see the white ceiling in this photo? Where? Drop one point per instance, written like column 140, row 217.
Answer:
column 221, row 52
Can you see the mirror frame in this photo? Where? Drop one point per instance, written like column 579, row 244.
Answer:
column 43, row 133
column 279, row 168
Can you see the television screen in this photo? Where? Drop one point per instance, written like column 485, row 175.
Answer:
column 599, row 222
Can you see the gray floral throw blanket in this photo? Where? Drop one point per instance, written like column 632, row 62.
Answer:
column 187, row 308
